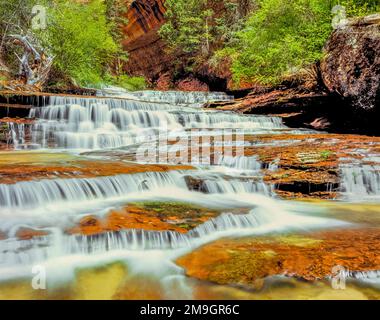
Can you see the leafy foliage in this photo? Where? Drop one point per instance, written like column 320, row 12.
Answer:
column 358, row 8
column 15, row 18
column 187, row 30
column 84, row 38
column 79, row 37
column 193, row 30
column 283, row 36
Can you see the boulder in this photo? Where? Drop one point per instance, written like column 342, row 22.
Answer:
column 351, row 66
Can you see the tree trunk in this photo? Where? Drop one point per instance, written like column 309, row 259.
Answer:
column 34, row 66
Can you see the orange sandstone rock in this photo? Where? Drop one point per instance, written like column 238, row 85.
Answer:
column 308, row 256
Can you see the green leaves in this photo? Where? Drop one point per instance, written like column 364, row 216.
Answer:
column 79, row 35
column 280, row 38
column 284, row 36
column 187, row 28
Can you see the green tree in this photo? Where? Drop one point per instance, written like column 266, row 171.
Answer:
column 281, row 37
column 193, row 30
column 79, row 36
column 15, row 18
column 187, row 30
column 357, row 8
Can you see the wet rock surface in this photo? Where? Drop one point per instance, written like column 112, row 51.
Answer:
column 150, row 216
column 307, row 166
column 24, row 166
column 147, row 52
column 308, row 256
column 304, row 165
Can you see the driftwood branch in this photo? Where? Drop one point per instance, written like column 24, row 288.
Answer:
column 34, row 64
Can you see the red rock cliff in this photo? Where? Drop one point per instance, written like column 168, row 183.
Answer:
column 147, row 54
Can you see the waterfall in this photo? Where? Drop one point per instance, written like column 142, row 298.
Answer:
column 180, row 97
column 236, row 186
column 240, row 163
column 53, row 205
column 61, row 104
column 274, row 165
column 196, row 98
column 55, row 245
column 360, row 181
column 95, row 123
column 160, row 240
column 233, row 185
column 17, row 134
column 229, row 120
column 32, row 194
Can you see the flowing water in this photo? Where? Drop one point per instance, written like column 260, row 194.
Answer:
column 123, row 123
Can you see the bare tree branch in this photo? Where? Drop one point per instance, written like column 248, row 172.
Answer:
column 34, row 66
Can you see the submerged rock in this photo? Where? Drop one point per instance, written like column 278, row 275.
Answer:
column 246, row 262
column 27, row 166
column 351, row 66
column 149, row 216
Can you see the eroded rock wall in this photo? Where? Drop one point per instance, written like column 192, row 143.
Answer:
column 147, row 55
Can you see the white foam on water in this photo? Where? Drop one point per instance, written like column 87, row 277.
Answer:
column 74, row 123
column 95, row 123
column 146, row 251
column 360, row 181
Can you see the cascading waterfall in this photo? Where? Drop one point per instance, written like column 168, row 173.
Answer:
column 17, row 134
column 179, row 97
column 229, row 120
column 235, row 175
column 361, row 181
column 31, row 194
column 94, row 123
column 38, row 248
column 263, row 218
column 237, row 186
column 240, row 163
column 173, row 97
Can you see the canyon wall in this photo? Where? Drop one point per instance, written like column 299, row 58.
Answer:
column 147, row 56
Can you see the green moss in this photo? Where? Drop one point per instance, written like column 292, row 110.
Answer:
column 326, row 154
column 243, row 267
column 178, row 209
column 299, row 241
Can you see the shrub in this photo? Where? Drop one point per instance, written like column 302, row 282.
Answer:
column 281, row 37
column 79, row 37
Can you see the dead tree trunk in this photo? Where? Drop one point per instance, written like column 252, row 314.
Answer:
column 34, row 66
